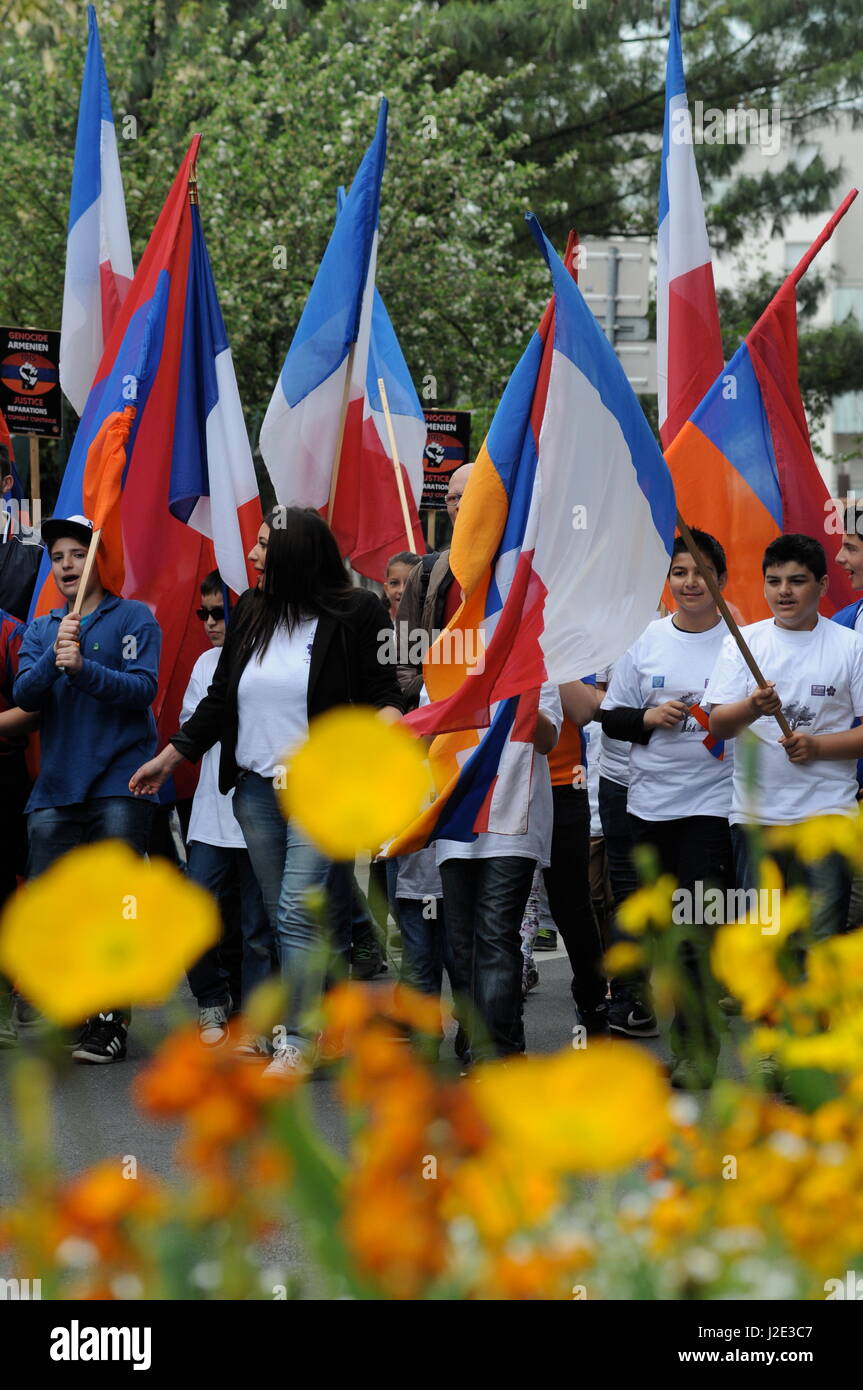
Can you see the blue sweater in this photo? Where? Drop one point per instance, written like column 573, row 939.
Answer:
column 847, row 617
column 96, row 726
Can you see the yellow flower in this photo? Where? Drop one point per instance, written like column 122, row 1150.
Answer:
column 355, row 783
column 590, row 1110
column 623, row 958
column 102, row 927
column 813, row 839
column 743, row 958
column 648, row 907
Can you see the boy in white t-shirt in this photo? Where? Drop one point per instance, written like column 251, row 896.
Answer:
column 219, row 861
column 814, row 673
column 679, row 781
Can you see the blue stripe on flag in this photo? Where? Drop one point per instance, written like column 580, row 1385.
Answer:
column 675, row 85
column 464, row 804
column 128, row 382
column 742, row 434
column 204, row 337
column 93, row 108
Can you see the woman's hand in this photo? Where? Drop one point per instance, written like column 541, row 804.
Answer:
column 151, row 776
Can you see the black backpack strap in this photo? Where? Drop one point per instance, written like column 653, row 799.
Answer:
column 428, row 563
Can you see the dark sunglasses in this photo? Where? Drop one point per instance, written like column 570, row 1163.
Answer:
column 217, row 613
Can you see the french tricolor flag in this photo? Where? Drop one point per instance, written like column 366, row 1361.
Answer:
column 689, row 344
column 324, row 439
column 98, row 254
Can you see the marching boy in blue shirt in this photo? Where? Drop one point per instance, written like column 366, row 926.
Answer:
column 93, row 678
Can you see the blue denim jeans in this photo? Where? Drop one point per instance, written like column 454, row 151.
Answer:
column 421, row 924
column 286, row 866
column 828, row 883
column 227, row 873
column 56, row 830
column 484, row 902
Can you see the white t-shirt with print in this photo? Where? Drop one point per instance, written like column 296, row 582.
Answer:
column 272, row 700
column 675, row 774
column 819, row 678
column 212, row 821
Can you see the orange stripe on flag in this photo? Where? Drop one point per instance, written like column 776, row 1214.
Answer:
column 714, row 497
column 103, row 491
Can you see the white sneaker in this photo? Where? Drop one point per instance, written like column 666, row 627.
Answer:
column 287, row 1061
column 213, row 1024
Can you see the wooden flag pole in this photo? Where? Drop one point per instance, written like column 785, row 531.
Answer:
column 35, row 481
column 334, row 476
column 716, row 595
column 87, row 571
column 394, row 450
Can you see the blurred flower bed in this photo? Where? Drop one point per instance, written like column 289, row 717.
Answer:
column 570, row 1176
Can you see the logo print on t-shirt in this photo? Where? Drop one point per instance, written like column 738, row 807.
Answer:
column 818, row 690
column 689, row 723
column 831, row 690
column 797, row 714
column 658, row 682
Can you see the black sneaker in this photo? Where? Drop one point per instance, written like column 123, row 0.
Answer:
column 633, row 1018
column 594, row 1021
column 102, row 1040
column 546, row 939
column 366, row 961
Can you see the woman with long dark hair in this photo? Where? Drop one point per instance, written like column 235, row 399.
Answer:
column 301, row 643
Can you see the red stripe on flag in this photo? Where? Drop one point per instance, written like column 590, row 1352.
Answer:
column 694, row 347
column 772, row 346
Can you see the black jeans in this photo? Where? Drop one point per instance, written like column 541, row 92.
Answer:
column 617, row 833
column 567, row 882
column 622, row 876
column 484, row 902
column 693, row 849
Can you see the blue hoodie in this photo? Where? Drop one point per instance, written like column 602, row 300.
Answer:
column 96, row 726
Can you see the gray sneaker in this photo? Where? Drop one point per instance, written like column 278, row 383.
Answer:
column 213, row 1024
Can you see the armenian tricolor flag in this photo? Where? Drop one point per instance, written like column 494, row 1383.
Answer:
column 743, row 466
column 161, row 460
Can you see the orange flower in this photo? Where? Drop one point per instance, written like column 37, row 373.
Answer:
column 102, row 1196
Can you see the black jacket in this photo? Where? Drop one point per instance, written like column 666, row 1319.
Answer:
column 19, row 566
column 344, row 670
